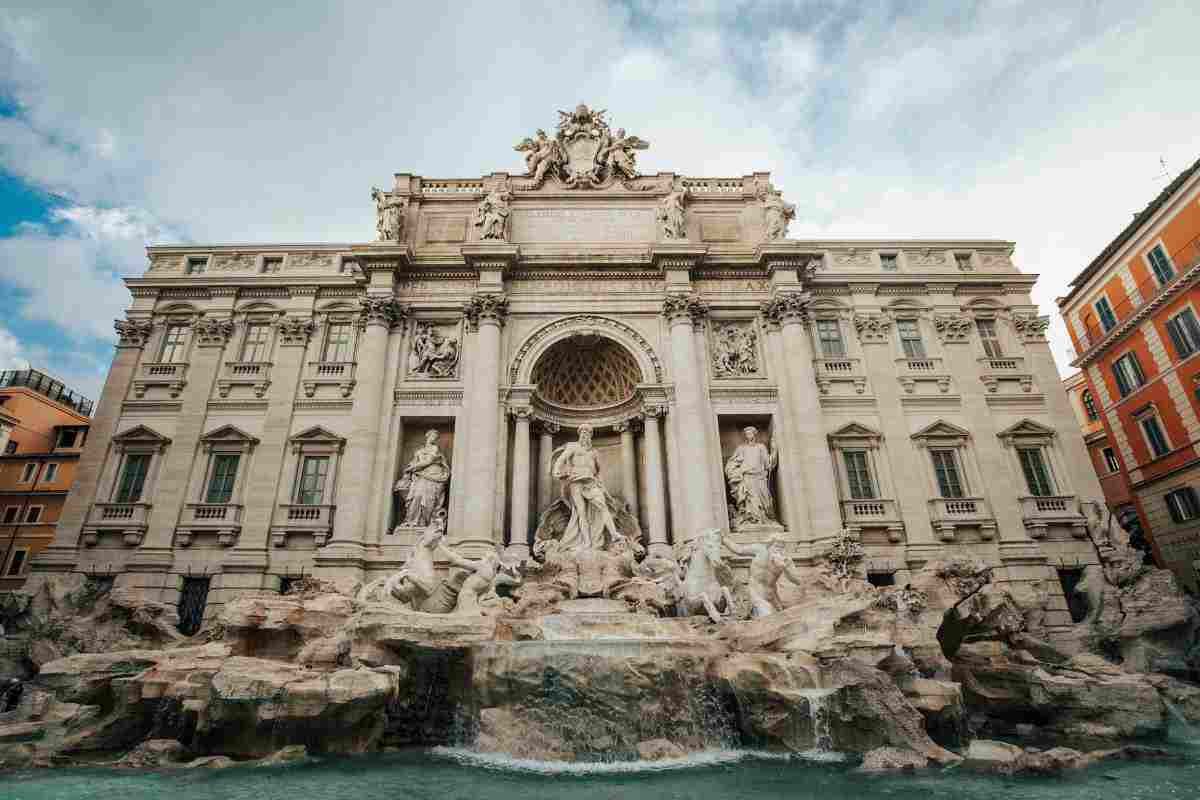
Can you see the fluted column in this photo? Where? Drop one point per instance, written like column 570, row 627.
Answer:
column 656, row 494
column 628, row 465
column 683, row 312
column 518, row 544
column 485, row 313
column 379, row 315
column 545, row 450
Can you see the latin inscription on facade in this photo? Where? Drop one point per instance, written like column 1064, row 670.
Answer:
column 583, row 225
column 720, row 229
column 445, row 228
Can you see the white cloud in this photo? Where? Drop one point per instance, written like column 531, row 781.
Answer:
column 11, row 352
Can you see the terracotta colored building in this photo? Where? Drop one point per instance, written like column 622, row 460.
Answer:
column 43, row 426
column 1134, row 317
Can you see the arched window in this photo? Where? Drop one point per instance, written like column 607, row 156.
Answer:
column 1089, row 405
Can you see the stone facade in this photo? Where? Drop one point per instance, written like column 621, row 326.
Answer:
column 272, row 395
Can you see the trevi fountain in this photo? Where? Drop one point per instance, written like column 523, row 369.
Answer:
column 731, row 570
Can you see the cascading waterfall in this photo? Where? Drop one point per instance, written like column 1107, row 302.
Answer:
column 819, row 714
column 1189, row 732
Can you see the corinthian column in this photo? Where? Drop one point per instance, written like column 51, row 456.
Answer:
column 807, row 426
column 485, row 313
column 518, row 544
column 628, row 466
column 683, row 312
column 546, row 484
column 656, row 496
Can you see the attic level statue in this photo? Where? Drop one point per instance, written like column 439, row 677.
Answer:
column 584, row 153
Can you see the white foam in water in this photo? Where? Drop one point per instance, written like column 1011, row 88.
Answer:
column 706, row 758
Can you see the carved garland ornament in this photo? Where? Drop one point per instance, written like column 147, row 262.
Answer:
column 491, row 307
column 132, row 332
column 872, row 328
column 952, row 328
column 787, row 308
column 583, row 323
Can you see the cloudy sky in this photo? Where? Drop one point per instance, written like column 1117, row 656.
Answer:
column 124, row 123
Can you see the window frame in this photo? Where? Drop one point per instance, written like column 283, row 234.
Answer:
column 1180, row 515
column 1160, row 248
column 1118, row 379
column 1050, row 487
column 337, row 321
column 315, row 442
column 50, row 473
column 253, row 326
column 228, row 478
column 29, row 472
column 35, row 512
column 1178, row 332
column 1108, row 455
column 893, row 258
column 997, row 348
column 904, row 341
column 853, row 482
column 227, row 440
column 956, row 467
column 1106, row 315
column 16, row 515
column 321, row 492
column 822, row 340
column 21, row 562
column 197, row 265
column 180, row 348
column 1151, row 415
column 1088, row 401
column 138, row 440
column 119, row 486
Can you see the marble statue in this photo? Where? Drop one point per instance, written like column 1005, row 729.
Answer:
column 542, row 155
column 776, row 214
column 433, row 355
column 418, row 585
column 584, row 153
column 477, row 594
column 423, row 482
column 735, row 351
column 706, row 578
column 670, row 214
column 491, row 215
column 620, row 155
column 578, row 468
column 769, row 563
column 389, row 215
column 748, row 472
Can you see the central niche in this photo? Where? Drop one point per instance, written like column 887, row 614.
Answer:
column 586, row 372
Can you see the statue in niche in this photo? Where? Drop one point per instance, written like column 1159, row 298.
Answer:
column 776, row 214
column 748, row 472
column 736, row 351
column 433, row 355
column 423, row 482
column 389, row 215
column 707, row 578
column 769, row 564
column 670, row 214
column 620, row 155
column 491, row 215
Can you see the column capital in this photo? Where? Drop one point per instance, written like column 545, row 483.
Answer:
column 132, row 332
column 486, row 308
column 295, row 331
column 678, row 308
column 213, row 331
column 521, row 413
column 548, row 428
column 382, row 311
column 652, row 411
column 789, row 308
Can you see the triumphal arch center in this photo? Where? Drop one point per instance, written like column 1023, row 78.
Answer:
column 574, row 351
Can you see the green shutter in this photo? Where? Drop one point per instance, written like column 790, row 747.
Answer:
column 220, row 482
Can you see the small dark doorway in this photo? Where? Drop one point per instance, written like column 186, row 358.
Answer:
column 1069, row 579
column 192, row 601
column 881, row 578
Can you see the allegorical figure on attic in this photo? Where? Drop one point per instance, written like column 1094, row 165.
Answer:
column 423, row 482
column 491, row 215
column 541, row 155
column 620, row 156
column 748, row 472
column 389, row 215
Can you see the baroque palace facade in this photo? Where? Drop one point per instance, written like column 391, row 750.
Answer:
column 283, row 410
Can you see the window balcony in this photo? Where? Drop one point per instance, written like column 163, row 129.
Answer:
column 1039, row 513
column 336, row 373
column 223, row 519
column 874, row 513
column 950, row 513
column 841, row 369
column 1007, row 368
column 132, row 519
column 172, row 375
column 914, row 370
column 255, row 374
column 294, row 518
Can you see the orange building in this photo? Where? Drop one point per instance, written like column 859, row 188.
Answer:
column 43, row 426
column 1134, row 316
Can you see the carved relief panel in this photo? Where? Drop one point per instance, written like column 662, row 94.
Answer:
column 434, row 350
column 734, row 350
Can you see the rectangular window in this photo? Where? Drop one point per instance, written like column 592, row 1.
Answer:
column 50, row 474
column 1089, row 405
column 858, row 475
column 272, row 265
column 33, row 514
column 963, row 260
column 1155, row 438
column 888, row 262
column 67, row 438
column 256, row 346
column 945, row 465
column 338, row 342
column 133, row 478
column 174, row 349
column 195, row 266
column 1128, row 374
column 1184, row 332
column 1161, row 265
column 1037, row 477
column 220, row 481
column 1183, row 504
column 17, row 563
column 10, row 514
column 312, row 480
column 989, row 337
column 1108, row 319
column 829, row 333
column 10, row 448
column 910, row 338
column 27, row 472
column 1110, row 460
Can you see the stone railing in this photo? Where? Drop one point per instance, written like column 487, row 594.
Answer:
column 874, row 513
column 1002, row 364
column 131, row 519
column 830, row 370
column 294, row 518
column 1040, row 512
column 224, row 519
column 912, row 370
column 172, row 375
column 256, row 374
column 337, row 373
column 947, row 513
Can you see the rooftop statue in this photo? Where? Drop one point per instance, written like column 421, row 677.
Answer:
column 776, row 214
column 491, row 215
column 389, row 215
column 584, row 152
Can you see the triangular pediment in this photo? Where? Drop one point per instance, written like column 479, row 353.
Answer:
column 941, row 428
column 855, row 430
column 140, row 433
column 317, row 434
column 1026, row 427
column 228, row 433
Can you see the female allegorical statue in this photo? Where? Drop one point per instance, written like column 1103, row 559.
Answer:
column 424, row 482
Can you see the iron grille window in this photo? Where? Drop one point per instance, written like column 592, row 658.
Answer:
column 195, row 266
column 1037, row 477
column 338, row 342
column 220, row 481
column 133, row 478
column 829, row 333
column 1184, row 332
column 192, row 602
column 256, row 346
column 989, row 338
column 1161, row 265
column 312, row 480
column 858, row 475
column 1108, row 319
column 1128, row 374
column 174, row 349
column 888, row 262
column 945, row 466
column 272, row 265
column 1110, row 460
column 1089, row 405
column 1183, row 504
column 1155, row 437
column 910, row 338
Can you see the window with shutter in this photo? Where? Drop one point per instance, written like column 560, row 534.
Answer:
column 989, row 338
column 220, row 481
column 910, row 338
column 858, row 475
column 1108, row 319
column 829, row 333
column 133, row 478
column 338, row 342
column 1037, row 477
column 1184, row 332
column 1161, row 265
column 945, row 465
column 257, row 342
column 312, row 480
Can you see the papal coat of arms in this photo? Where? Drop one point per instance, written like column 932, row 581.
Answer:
column 584, row 153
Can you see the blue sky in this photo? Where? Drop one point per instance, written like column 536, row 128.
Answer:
column 128, row 123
